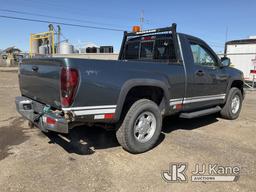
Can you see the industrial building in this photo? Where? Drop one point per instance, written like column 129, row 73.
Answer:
column 10, row 56
column 243, row 54
column 50, row 43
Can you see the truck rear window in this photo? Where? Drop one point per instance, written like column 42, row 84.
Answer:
column 132, row 50
column 164, row 50
column 146, row 50
column 154, row 50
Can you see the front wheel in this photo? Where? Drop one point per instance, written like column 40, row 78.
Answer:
column 233, row 105
column 141, row 127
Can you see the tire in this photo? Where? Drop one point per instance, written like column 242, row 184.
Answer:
column 146, row 117
column 229, row 111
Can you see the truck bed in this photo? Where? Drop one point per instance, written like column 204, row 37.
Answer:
column 95, row 77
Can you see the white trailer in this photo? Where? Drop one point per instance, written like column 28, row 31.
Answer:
column 242, row 54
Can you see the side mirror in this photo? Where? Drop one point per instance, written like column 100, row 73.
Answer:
column 225, row 62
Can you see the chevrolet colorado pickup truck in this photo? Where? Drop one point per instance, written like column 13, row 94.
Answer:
column 159, row 72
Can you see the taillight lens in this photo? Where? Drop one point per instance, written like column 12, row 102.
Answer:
column 50, row 121
column 69, row 84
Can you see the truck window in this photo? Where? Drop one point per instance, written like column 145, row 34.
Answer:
column 146, row 51
column 164, row 50
column 152, row 50
column 202, row 56
column 132, row 50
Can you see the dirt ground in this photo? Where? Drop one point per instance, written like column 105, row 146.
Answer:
column 90, row 159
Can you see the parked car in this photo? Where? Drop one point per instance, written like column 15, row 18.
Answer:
column 159, row 73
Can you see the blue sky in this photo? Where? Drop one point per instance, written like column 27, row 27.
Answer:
column 208, row 20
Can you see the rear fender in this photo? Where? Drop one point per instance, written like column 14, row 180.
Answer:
column 128, row 85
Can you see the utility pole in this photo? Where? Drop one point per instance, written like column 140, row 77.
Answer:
column 59, row 32
column 226, row 37
column 225, row 45
column 142, row 19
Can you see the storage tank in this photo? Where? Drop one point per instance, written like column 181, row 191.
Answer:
column 66, row 48
column 91, row 50
column 106, row 49
column 35, row 46
column 44, row 49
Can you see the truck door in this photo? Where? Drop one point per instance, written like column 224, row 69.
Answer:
column 206, row 80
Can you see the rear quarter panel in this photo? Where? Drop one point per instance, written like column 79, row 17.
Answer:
column 102, row 82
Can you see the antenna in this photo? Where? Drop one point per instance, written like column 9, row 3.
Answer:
column 142, row 19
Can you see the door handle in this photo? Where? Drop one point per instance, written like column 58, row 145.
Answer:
column 199, row 73
column 35, row 68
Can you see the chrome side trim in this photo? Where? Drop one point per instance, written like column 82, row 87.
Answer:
column 94, row 112
column 203, row 98
column 89, row 107
column 196, row 99
column 176, row 101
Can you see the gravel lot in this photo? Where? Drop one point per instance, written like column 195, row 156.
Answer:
column 90, row 159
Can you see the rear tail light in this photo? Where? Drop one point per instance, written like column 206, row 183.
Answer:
column 69, row 84
column 108, row 116
column 50, row 121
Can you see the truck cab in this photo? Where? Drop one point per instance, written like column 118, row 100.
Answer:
column 207, row 78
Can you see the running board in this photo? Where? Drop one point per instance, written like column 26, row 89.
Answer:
column 200, row 113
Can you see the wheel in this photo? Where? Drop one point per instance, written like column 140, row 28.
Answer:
column 141, row 127
column 233, row 105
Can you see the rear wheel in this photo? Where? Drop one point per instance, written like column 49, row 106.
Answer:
column 141, row 127
column 232, row 108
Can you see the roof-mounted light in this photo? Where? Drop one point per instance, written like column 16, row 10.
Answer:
column 135, row 28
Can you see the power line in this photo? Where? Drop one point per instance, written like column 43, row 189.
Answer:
column 50, row 16
column 76, row 8
column 61, row 23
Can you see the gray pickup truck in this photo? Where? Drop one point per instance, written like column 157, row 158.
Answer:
column 159, row 73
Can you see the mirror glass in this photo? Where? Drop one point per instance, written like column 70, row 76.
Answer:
column 225, row 61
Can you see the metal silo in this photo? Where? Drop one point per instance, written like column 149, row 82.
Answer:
column 44, row 49
column 35, row 47
column 66, row 48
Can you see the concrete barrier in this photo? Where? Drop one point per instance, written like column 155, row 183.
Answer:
column 8, row 69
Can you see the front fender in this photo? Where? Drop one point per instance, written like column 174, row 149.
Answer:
column 231, row 81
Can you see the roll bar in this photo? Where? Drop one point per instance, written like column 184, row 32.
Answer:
column 171, row 29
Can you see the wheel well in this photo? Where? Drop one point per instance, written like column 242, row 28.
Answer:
column 238, row 84
column 155, row 94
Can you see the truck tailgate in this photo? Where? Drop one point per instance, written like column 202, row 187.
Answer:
column 40, row 80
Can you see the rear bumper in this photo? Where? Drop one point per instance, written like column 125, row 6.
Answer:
column 34, row 112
